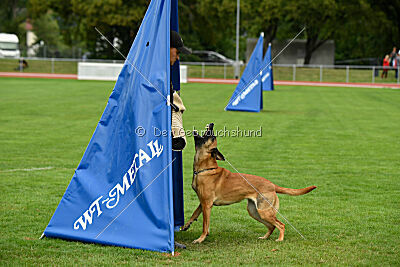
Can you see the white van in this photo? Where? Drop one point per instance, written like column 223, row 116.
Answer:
column 9, row 46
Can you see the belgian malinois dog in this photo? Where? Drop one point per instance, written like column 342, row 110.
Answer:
column 216, row 186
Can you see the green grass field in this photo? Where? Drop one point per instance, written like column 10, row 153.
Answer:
column 40, row 66
column 346, row 141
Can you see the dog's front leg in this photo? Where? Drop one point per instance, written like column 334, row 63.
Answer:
column 206, row 208
column 194, row 217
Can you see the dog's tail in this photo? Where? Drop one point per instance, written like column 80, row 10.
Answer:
column 294, row 192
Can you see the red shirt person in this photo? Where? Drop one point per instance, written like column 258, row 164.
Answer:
column 386, row 63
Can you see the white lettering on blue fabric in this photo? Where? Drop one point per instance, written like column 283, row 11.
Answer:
column 245, row 92
column 265, row 77
column 113, row 197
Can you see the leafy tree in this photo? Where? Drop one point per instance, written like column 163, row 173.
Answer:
column 364, row 33
column 67, row 20
column 215, row 25
column 320, row 19
column 262, row 16
column 118, row 20
column 391, row 9
column 187, row 23
column 47, row 30
column 360, row 28
column 12, row 13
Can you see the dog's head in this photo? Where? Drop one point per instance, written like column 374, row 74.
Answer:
column 206, row 145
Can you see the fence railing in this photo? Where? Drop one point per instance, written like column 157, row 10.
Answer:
column 46, row 65
column 339, row 73
column 321, row 73
column 293, row 72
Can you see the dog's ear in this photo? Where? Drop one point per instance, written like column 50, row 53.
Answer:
column 218, row 155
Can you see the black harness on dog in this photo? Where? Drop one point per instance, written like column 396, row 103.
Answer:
column 197, row 172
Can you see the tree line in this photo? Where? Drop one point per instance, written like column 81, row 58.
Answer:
column 360, row 28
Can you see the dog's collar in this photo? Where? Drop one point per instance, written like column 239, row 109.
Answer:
column 197, row 172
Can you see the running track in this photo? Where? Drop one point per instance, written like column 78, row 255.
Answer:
column 216, row 81
column 38, row 75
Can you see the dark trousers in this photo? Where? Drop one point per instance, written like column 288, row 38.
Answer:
column 384, row 72
column 177, row 183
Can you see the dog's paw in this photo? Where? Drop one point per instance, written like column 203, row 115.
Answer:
column 279, row 240
column 185, row 227
column 198, row 240
column 266, row 236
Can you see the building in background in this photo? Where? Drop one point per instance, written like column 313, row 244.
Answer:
column 295, row 52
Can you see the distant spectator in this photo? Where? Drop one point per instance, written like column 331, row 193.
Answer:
column 22, row 64
column 386, row 64
column 393, row 55
column 395, row 65
column 393, row 60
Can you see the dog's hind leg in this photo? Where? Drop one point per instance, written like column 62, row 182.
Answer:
column 252, row 209
column 271, row 229
column 194, row 217
column 271, row 218
column 267, row 213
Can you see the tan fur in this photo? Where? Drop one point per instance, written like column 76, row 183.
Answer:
column 216, row 187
